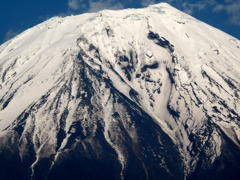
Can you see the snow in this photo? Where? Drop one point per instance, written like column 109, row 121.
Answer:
column 40, row 60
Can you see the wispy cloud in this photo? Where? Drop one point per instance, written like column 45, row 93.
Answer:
column 94, row 5
column 73, row 4
column 104, row 4
column 190, row 8
column 187, row 6
column 145, row 3
column 77, row 4
column 232, row 9
column 10, row 34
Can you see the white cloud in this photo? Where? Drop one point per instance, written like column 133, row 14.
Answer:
column 218, row 8
column 190, row 8
column 94, row 5
column 227, row 1
column 73, row 4
column 199, row 5
column 145, row 3
column 104, row 4
column 77, row 4
column 10, row 34
column 232, row 9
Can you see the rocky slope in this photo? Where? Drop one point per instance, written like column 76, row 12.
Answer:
column 132, row 94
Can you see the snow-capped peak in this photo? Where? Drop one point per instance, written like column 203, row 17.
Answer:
column 137, row 88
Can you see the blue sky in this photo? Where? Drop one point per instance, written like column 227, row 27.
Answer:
column 19, row 15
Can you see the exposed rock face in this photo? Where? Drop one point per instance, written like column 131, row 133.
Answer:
column 120, row 95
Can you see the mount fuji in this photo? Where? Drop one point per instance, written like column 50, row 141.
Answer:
column 142, row 94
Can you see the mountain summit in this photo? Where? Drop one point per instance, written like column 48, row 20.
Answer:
column 142, row 94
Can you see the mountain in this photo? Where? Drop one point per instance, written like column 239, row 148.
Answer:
column 142, row 94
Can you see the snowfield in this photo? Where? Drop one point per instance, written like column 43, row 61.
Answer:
column 127, row 94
